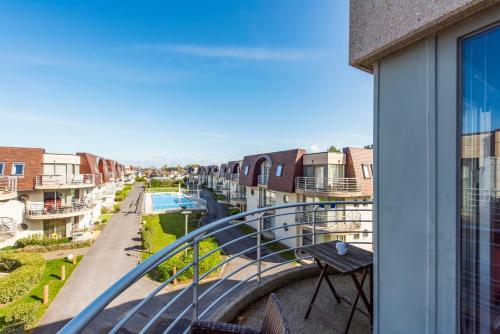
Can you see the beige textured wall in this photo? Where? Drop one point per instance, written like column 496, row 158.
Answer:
column 381, row 27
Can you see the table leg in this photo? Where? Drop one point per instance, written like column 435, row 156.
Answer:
column 356, row 300
column 362, row 294
column 337, row 297
column 316, row 290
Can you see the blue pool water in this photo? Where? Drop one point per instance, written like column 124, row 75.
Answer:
column 171, row 201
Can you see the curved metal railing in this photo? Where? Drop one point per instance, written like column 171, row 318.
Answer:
column 250, row 254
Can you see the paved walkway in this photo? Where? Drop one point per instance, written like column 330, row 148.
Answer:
column 113, row 254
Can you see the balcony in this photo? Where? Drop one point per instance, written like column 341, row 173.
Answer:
column 65, row 181
column 265, row 202
column 40, row 210
column 251, row 270
column 317, row 186
column 235, row 177
column 8, row 187
column 334, row 220
column 263, row 179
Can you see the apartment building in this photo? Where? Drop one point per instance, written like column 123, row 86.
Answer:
column 213, row 177
column 237, row 192
column 269, row 180
column 48, row 193
column 224, row 181
column 338, row 176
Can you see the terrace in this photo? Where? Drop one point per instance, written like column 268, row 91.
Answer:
column 65, row 181
column 40, row 210
column 252, row 269
column 263, row 179
column 319, row 186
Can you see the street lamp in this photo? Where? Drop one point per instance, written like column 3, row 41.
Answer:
column 186, row 214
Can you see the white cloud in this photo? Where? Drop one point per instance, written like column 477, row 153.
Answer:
column 314, row 148
column 237, row 52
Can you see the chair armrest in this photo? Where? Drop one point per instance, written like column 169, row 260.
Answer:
column 219, row 328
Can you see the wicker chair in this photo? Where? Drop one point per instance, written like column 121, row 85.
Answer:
column 275, row 322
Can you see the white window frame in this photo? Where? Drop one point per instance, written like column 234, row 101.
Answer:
column 366, row 171
column 13, row 168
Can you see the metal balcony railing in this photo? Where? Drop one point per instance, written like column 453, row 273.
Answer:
column 7, row 228
column 327, row 185
column 238, row 196
column 235, row 177
column 64, row 180
column 263, row 179
column 265, row 202
column 248, row 263
column 343, row 220
column 8, row 184
column 40, row 208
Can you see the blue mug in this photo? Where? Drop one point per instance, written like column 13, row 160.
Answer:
column 341, row 248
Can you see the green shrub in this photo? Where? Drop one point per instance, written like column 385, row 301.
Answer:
column 27, row 268
column 165, row 183
column 118, row 198
column 50, row 248
column 19, row 316
column 104, row 210
column 140, row 179
column 165, row 270
column 40, row 241
column 116, row 207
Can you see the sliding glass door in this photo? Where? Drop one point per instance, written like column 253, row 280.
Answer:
column 480, row 183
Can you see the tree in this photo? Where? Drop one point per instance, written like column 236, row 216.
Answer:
column 334, row 149
column 370, row 146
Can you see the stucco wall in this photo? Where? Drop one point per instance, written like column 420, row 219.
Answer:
column 381, row 27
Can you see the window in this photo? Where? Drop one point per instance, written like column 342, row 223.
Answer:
column 366, row 171
column 246, row 170
column 479, row 192
column 279, row 170
column 17, row 168
column 2, row 168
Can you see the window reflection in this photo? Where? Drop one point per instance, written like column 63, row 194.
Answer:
column 480, row 185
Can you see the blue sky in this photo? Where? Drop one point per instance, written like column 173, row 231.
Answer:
column 154, row 82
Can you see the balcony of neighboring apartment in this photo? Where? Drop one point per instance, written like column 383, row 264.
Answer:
column 45, row 181
column 328, row 187
column 263, row 180
column 55, row 210
column 343, row 220
column 235, row 177
column 239, row 197
column 256, row 267
column 8, row 187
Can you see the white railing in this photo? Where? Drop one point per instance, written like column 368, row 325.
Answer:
column 8, row 227
column 266, row 202
column 327, row 185
column 235, row 177
column 64, row 180
column 343, row 220
column 238, row 196
column 251, row 258
column 8, row 184
column 263, row 179
column 51, row 208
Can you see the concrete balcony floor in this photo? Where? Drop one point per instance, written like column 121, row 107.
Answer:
column 327, row 316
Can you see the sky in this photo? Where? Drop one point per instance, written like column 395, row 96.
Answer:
column 177, row 82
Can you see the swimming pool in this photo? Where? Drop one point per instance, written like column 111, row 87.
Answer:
column 172, row 201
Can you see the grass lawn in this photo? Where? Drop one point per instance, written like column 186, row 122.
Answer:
column 219, row 197
column 166, row 228
column 51, row 277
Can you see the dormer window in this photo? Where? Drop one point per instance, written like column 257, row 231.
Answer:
column 17, row 169
column 247, row 169
column 279, row 170
column 366, row 171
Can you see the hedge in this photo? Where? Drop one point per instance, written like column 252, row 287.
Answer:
column 50, row 248
column 40, row 241
column 19, row 316
column 165, row 270
column 25, row 270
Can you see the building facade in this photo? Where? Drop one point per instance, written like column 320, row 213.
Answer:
column 50, row 194
column 436, row 115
